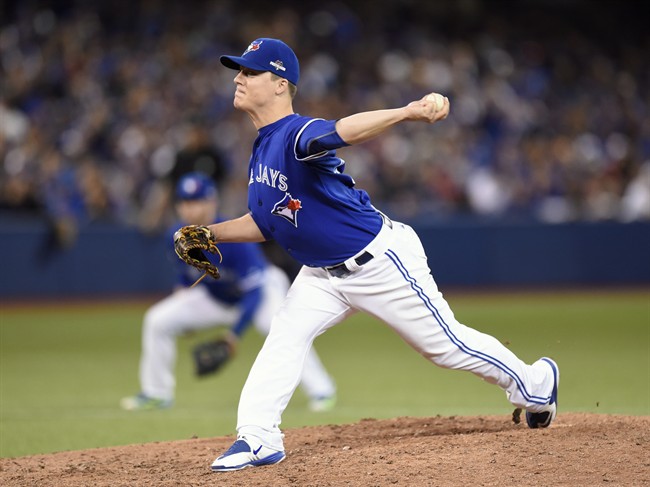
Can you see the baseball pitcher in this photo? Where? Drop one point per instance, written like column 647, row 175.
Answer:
column 354, row 257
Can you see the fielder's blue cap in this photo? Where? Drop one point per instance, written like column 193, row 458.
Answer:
column 266, row 54
column 195, row 186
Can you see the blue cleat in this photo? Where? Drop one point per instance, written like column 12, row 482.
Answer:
column 542, row 419
column 241, row 455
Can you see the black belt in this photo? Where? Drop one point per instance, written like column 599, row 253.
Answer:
column 340, row 270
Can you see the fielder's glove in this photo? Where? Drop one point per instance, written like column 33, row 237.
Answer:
column 191, row 242
column 211, row 356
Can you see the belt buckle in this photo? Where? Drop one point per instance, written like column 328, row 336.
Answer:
column 339, row 270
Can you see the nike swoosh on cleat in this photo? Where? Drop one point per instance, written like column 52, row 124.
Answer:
column 255, row 452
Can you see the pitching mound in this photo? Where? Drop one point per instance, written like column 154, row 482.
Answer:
column 579, row 449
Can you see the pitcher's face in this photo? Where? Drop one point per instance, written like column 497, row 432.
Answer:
column 255, row 89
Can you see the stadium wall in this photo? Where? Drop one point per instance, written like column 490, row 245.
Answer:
column 111, row 260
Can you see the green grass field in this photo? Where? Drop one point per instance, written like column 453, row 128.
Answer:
column 63, row 369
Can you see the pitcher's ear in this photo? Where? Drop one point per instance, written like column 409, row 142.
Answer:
column 283, row 85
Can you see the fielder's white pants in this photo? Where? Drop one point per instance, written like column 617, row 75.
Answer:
column 398, row 288
column 192, row 309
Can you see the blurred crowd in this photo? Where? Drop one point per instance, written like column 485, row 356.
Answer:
column 103, row 105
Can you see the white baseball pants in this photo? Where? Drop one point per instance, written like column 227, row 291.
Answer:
column 192, row 309
column 397, row 287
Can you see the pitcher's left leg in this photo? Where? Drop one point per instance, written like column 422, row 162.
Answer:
column 315, row 381
column 311, row 307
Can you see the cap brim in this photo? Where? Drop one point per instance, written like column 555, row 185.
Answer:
column 236, row 62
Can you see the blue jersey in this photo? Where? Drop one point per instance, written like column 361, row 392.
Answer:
column 299, row 195
column 242, row 277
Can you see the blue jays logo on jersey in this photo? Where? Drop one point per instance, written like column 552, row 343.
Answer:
column 288, row 208
column 253, row 46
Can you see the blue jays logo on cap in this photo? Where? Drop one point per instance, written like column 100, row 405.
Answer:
column 267, row 54
column 195, row 186
column 253, row 46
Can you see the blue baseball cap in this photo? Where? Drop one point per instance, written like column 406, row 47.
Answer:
column 267, row 54
column 195, row 186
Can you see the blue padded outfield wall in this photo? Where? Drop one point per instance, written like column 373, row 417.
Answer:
column 114, row 261
column 536, row 255
column 105, row 260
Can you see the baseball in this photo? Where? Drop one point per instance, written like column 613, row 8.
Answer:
column 437, row 99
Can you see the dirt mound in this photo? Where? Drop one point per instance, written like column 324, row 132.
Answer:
column 579, row 449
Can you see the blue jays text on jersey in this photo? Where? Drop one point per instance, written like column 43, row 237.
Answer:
column 297, row 183
column 270, row 177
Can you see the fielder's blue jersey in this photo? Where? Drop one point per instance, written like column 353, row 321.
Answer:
column 242, row 277
column 302, row 199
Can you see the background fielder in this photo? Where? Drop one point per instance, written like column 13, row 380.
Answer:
column 249, row 291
